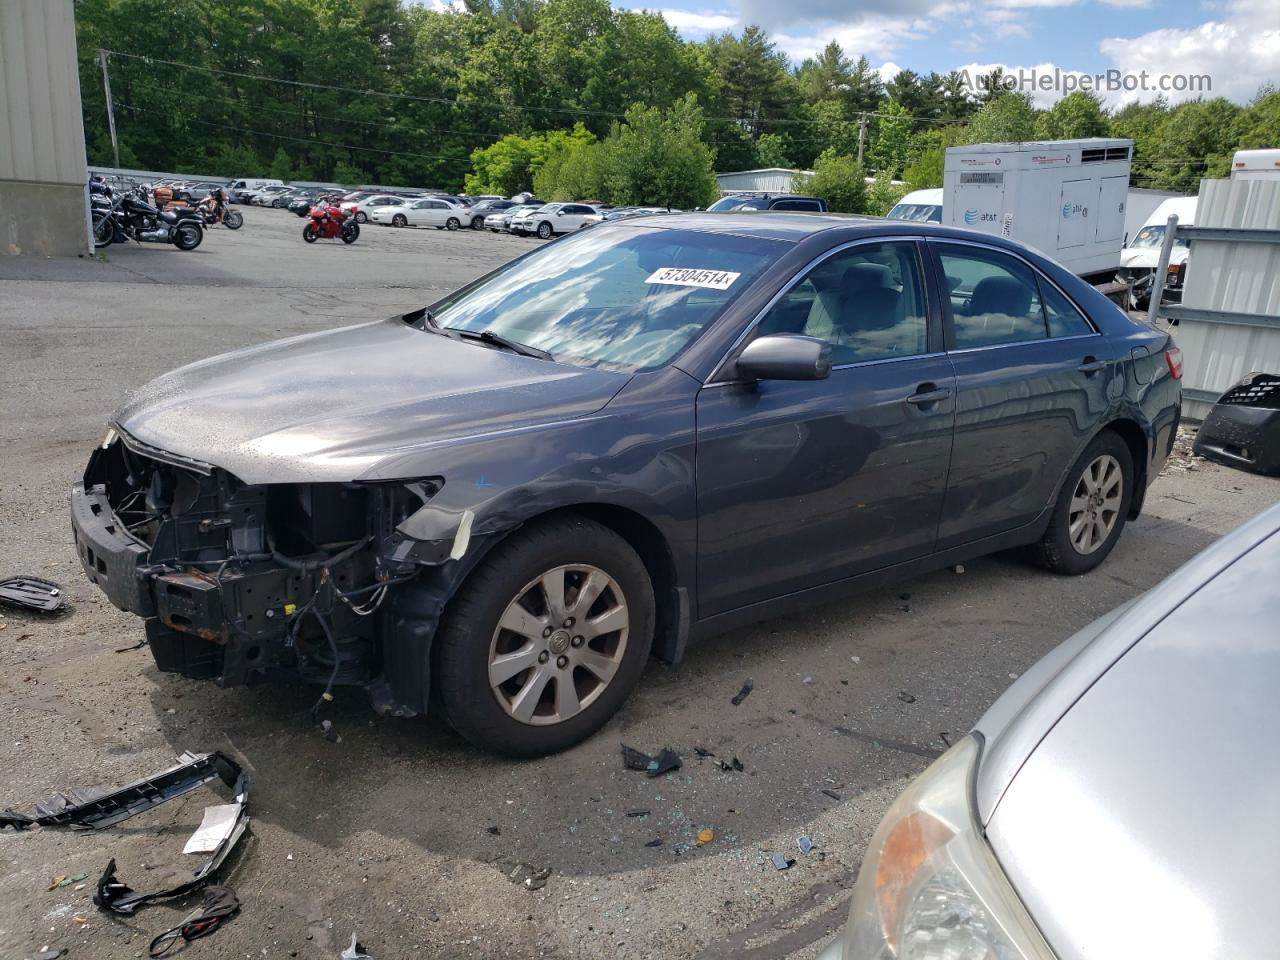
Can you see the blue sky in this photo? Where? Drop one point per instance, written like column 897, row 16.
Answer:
column 1235, row 43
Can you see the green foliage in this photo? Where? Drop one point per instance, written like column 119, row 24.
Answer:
column 926, row 170
column 773, row 150
column 281, row 166
column 883, row 194
column 1075, row 116
column 839, row 179
column 349, row 174
column 1260, row 123
column 659, row 159
column 892, row 140
column 1007, row 117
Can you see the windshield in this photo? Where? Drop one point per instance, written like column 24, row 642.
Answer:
column 625, row 297
column 923, row 212
column 740, row 203
column 1153, row 236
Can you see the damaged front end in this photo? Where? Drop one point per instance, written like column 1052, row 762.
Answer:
column 329, row 583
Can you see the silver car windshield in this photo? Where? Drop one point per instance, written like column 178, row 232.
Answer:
column 625, row 297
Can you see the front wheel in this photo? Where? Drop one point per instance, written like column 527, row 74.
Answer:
column 310, row 233
column 477, row 223
column 360, row 217
column 103, row 232
column 1091, row 508
column 233, row 219
column 453, row 223
column 546, row 639
column 350, row 232
column 544, row 230
column 187, row 235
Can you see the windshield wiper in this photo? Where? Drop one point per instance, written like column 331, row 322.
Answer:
column 498, row 340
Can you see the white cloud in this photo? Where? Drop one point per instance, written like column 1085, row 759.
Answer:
column 878, row 38
column 697, row 22
column 1237, row 53
column 1131, row 4
column 888, row 70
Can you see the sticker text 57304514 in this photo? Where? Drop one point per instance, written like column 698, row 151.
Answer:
column 694, row 277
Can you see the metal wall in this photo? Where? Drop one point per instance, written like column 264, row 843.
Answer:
column 1229, row 319
column 768, row 180
column 42, row 155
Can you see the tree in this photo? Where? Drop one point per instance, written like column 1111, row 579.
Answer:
column 925, row 170
column 755, row 85
column 658, row 158
column 957, row 99
column 883, row 194
column 1005, row 118
column 349, row 174
column 1075, row 116
column 866, row 89
column 838, row 179
column 772, row 151
column 1260, row 123
column 1195, row 140
column 827, row 76
column 281, row 167
column 892, row 139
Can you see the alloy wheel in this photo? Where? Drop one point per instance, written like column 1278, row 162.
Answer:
column 558, row 644
column 1095, row 504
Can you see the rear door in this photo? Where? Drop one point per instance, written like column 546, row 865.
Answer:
column 1031, row 385
column 802, row 483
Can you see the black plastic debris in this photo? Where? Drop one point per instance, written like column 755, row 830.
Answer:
column 666, row 761
column 1242, row 429
column 527, row 875
column 220, row 904
column 742, row 694
column 633, row 759
column 495, row 831
column 831, row 793
column 782, row 862
column 95, row 808
column 906, row 697
column 638, row 813
column 655, row 842
column 31, row 593
column 703, row 752
column 734, row 765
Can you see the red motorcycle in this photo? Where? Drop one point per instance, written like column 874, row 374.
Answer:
column 330, row 221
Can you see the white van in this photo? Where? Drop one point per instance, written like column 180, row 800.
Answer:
column 242, row 190
column 1138, row 261
column 919, row 205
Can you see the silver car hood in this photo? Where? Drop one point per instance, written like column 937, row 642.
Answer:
column 330, row 406
column 1142, row 819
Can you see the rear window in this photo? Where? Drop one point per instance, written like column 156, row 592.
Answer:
column 739, row 203
column 919, row 212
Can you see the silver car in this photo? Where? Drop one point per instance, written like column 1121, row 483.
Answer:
column 1119, row 801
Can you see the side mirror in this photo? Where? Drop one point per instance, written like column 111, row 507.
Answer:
column 785, row 357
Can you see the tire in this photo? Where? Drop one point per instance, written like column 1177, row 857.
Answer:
column 103, row 232
column 310, row 233
column 399, row 220
column 233, row 219
column 470, row 636
column 477, row 223
column 360, row 217
column 494, row 230
column 1067, row 551
column 544, row 231
column 453, row 223
column 350, row 233
column 187, row 235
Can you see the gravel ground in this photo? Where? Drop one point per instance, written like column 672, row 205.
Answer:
column 399, row 830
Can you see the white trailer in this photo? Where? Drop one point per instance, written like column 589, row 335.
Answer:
column 1065, row 198
column 1255, row 165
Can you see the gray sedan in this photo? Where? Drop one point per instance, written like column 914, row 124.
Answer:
column 1118, row 801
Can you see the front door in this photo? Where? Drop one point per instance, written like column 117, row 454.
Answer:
column 802, row 483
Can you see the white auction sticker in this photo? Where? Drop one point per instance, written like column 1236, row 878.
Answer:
column 693, row 277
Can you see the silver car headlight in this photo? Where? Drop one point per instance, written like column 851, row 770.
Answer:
column 930, row 888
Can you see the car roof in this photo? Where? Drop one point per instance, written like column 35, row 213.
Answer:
column 797, row 226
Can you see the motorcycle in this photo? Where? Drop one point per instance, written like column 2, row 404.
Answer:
column 131, row 217
column 216, row 209
column 327, row 222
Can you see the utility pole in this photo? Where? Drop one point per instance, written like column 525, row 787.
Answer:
column 862, row 134
column 111, row 110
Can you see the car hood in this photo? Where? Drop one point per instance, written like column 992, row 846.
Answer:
column 1143, row 823
column 330, row 406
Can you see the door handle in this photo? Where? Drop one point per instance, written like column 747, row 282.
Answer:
column 1092, row 365
column 927, row 394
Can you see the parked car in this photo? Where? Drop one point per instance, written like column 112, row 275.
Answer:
column 1115, row 802
column 923, row 205
column 481, row 209
column 428, row 212
column 359, row 208
column 552, row 218
column 755, row 202
column 242, row 187
column 500, row 222
column 642, row 434
column 302, row 201
column 263, row 197
column 622, row 213
column 284, row 198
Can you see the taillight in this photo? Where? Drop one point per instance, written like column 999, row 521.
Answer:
column 1173, row 357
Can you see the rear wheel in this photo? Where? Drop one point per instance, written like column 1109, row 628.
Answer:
column 546, row 639
column 544, row 230
column 361, row 217
column 310, row 233
column 477, row 223
column 1091, row 508
column 399, row 220
column 187, row 235
column 453, row 223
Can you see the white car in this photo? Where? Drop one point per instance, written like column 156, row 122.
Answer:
column 427, row 212
column 553, row 218
column 501, row 221
column 359, row 208
column 263, row 197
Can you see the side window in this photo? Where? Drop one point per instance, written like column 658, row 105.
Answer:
column 867, row 302
column 806, row 205
column 994, row 298
column 1063, row 317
